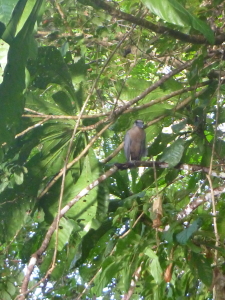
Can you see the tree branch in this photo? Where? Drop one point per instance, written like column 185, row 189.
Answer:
column 196, row 202
column 52, row 229
column 179, row 106
column 194, row 39
column 164, row 165
column 120, row 111
column 84, row 192
column 129, row 110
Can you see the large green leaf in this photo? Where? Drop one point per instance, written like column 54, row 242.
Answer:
column 184, row 235
column 57, row 103
column 85, row 210
column 11, row 28
column 203, row 266
column 66, row 227
column 49, row 67
column 14, row 219
column 155, row 267
column 13, row 85
column 173, row 12
column 173, row 154
column 110, row 269
column 6, row 9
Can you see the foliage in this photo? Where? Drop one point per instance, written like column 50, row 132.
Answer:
column 75, row 76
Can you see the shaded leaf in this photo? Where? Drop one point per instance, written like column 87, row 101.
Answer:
column 13, row 85
column 173, row 154
column 184, row 236
column 203, row 267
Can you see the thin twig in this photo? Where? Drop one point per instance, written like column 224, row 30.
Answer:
column 211, row 185
column 30, row 128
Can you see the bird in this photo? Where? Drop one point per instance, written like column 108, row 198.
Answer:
column 134, row 142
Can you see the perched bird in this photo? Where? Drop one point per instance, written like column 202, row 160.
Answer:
column 134, row 142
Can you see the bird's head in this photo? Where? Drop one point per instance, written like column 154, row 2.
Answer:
column 139, row 123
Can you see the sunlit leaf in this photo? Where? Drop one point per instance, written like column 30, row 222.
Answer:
column 173, row 12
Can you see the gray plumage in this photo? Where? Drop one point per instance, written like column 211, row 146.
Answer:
column 134, row 142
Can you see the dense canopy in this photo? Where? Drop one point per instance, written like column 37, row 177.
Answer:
column 76, row 220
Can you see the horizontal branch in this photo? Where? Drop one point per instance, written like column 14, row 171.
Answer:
column 164, row 165
column 117, row 113
column 194, row 39
column 110, row 172
column 157, row 119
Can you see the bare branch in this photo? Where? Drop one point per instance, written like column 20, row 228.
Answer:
column 196, row 202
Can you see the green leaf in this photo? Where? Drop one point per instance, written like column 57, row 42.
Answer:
column 127, row 275
column 13, row 85
column 5, row 295
column 156, row 270
column 14, row 219
column 155, row 267
column 150, row 253
column 168, row 235
column 86, row 208
column 3, row 57
column 11, row 288
column 11, row 28
column 173, row 154
column 78, row 70
column 50, row 64
column 6, row 9
column 66, row 227
column 129, row 201
column 3, row 185
column 152, row 132
column 132, row 239
column 103, row 202
column 204, row 268
column 193, row 247
column 173, row 12
column 184, row 235
column 47, row 105
column 18, row 175
column 63, row 101
column 109, row 269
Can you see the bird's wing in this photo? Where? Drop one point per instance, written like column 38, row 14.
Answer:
column 127, row 142
column 143, row 147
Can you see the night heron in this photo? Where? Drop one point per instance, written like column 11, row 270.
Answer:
column 134, row 142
